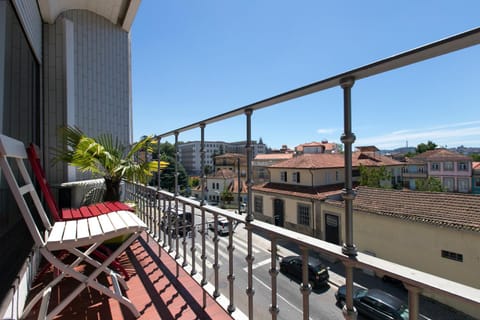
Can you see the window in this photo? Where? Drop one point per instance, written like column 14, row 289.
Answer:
column 296, row 177
column 258, row 204
column 303, row 214
column 336, row 176
column 448, row 184
column 462, row 166
column 463, row 185
column 477, row 182
column 435, row 166
column 452, row 255
column 283, row 176
column 20, row 118
column 448, row 166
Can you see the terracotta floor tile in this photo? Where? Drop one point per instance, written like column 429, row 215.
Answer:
column 154, row 289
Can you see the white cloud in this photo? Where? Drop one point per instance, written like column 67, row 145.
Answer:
column 449, row 134
column 326, row 131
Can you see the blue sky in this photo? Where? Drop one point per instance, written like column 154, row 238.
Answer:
column 193, row 59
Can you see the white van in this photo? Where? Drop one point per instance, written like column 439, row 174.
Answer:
column 222, row 226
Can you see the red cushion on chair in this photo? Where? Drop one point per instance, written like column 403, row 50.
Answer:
column 68, row 214
column 40, row 176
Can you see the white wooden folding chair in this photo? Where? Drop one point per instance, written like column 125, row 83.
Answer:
column 71, row 235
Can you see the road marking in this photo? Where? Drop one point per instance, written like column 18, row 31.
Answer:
column 258, row 264
column 279, row 296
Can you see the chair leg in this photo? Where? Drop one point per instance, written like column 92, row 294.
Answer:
column 84, row 280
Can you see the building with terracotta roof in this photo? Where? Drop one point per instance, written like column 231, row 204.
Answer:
column 444, row 229
column 261, row 163
column 229, row 175
column 318, row 147
column 297, row 186
column 454, row 170
column 476, row 177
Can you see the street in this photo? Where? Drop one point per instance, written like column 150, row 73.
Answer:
column 322, row 302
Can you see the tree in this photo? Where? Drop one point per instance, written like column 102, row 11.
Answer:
column 107, row 157
column 429, row 184
column 374, row 177
column 475, row 157
column 422, row 147
column 167, row 177
column 226, row 196
column 194, row 182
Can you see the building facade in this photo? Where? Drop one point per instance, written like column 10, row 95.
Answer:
column 190, row 153
column 444, row 229
column 296, row 187
column 62, row 62
column 454, row 170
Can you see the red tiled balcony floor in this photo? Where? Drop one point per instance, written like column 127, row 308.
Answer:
column 158, row 287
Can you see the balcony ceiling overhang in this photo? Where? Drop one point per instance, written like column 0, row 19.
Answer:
column 119, row 12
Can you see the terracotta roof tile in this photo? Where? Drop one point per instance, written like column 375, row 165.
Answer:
column 452, row 210
column 335, row 160
column 224, row 174
column 440, row 155
column 273, row 156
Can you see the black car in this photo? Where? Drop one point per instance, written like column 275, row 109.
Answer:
column 317, row 272
column 181, row 220
column 375, row 303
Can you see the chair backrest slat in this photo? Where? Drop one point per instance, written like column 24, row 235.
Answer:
column 11, row 148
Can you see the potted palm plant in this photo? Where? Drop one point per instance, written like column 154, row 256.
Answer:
column 107, row 157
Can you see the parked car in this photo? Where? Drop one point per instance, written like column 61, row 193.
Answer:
column 222, row 226
column 375, row 303
column 180, row 219
column 317, row 272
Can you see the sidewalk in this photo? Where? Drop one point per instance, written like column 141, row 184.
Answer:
column 428, row 307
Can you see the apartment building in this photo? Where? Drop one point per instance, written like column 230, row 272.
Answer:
column 454, row 170
column 190, row 156
column 476, row 177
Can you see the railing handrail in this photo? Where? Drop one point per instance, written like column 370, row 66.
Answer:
column 456, row 42
column 409, row 276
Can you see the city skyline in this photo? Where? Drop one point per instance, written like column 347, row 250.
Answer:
column 210, row 58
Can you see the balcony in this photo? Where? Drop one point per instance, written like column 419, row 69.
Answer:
column 161, row 260
column 415, row 175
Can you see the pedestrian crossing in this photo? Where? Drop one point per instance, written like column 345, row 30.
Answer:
column 240, row 249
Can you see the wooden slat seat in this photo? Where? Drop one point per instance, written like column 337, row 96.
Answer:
column 80, row 237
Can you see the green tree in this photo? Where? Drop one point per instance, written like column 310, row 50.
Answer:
column 194, row 182
column 226, row 196
column 207, row 169
column 429, row 184
column 375, row 177
column 167, row 177
column 475, row 157
column 422, row 147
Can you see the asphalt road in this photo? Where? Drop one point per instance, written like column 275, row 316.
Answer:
column 322, row 304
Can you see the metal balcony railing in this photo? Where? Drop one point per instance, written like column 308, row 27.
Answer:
column 157, row 205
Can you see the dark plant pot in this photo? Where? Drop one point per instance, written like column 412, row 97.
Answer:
column 112, row 192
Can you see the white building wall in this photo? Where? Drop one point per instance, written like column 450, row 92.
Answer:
column 93, row 91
